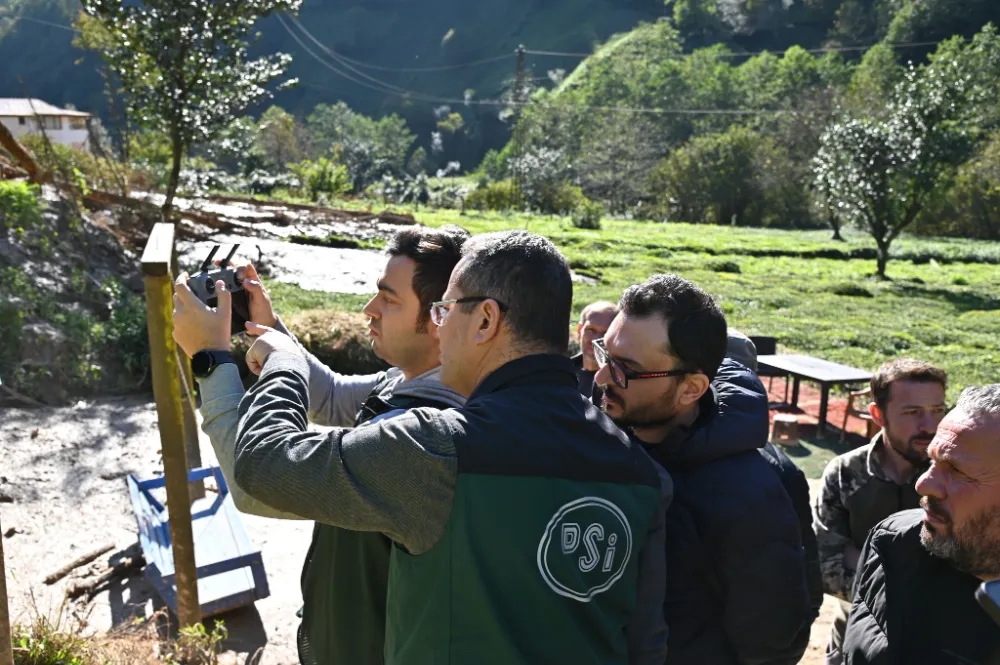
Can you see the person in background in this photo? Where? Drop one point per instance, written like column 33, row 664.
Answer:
column 914, row 596
column 740, row 348
column 526, row 527
column 736, row 581
column 594, row 321
column 345, row 575
column 863, row 487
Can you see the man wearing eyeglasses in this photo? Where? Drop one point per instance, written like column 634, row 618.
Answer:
column 527, row 528
column 736, row 583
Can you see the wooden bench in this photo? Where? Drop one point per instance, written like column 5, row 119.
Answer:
column 230, row 570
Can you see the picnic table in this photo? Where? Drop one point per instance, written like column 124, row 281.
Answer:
column 823, row 372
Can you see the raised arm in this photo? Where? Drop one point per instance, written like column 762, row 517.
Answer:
column 396, row 476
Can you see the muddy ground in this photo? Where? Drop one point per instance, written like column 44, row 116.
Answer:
column 64, row 470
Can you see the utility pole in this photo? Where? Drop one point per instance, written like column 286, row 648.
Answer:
column 518, row 130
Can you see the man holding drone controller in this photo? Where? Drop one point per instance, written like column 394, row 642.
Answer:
column 345, row 575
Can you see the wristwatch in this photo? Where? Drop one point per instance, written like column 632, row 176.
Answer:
column 204, row 363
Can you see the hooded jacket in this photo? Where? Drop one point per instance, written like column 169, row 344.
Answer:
column 736, row 588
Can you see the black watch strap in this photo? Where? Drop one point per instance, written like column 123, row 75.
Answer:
column 204, row 362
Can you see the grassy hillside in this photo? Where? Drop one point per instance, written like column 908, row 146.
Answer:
column 941, row 304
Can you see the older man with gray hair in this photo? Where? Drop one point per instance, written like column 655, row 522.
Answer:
column 914, row 591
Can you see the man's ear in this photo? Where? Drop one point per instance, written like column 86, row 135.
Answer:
column 490, row 320
column 877, row 415
column 693, row 387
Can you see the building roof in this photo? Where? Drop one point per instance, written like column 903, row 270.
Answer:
column 15, row 108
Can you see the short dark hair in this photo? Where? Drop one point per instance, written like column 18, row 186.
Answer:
column 436, row 253
column 696, row 326
column 903, row 369
column 526, row 273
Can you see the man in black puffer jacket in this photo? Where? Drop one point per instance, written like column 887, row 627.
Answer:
column 742, row 350
column 736, row 583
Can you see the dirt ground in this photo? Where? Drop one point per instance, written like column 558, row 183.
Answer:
column 65, row 469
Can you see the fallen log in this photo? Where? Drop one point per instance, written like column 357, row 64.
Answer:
column 352, row 214
column 76, row 563
column 23, row 157
column 131, row 558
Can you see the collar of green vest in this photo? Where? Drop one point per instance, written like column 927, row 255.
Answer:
column 542, row 368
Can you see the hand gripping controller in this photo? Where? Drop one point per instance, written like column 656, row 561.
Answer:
column 203, row 286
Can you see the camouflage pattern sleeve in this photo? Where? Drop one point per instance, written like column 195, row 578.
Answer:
column 831, row 522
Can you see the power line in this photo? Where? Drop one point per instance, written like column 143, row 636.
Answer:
column 15, row 19
column 831, row 49
column 388, row 88
column 441, row 68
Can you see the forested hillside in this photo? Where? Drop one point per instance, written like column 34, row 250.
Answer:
column 378, row 37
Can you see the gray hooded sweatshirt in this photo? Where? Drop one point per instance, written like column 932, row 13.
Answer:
column 334, row 401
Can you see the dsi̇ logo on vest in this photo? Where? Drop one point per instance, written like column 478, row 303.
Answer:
column 585, row 548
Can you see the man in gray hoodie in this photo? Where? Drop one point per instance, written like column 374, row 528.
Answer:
column 345, row 576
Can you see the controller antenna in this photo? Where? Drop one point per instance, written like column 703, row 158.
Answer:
column 225, row 261
column 208, row 262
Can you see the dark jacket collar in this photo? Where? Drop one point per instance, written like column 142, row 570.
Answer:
column 733, row 419
column 542, row 368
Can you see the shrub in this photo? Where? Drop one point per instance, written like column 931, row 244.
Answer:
column 82, row 168
column 497, row 196
column 324, row 176
column 560, row 198
column 18, row 205
column 588, row 215
column 851, row 290
column 725, row 266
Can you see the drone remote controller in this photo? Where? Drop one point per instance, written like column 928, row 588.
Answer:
column 203, row 286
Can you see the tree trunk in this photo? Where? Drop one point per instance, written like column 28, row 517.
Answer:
column 882, row 258
column 23, row 157
column 175, row 171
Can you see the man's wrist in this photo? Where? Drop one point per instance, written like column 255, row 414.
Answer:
column 204, row 362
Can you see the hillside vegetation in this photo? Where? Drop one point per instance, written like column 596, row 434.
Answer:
column 40, row 60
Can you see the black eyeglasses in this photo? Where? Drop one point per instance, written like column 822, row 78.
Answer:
column 440, row 309
column 621, row 375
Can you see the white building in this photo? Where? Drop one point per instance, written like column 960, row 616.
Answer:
column 22, row 116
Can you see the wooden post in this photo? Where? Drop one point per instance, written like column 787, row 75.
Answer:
column 167, row 389
column 191, row 444
column 6, row 649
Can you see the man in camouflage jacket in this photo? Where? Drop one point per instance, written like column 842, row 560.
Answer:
column 863, row 487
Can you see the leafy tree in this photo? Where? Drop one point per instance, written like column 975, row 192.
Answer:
column 712, row 178
column 880, row 173
column 874, row 80
column 236, row 147
column 368, row 148
column 971, row 207
column 616, row 158
column 278, row 138
column 184, row 66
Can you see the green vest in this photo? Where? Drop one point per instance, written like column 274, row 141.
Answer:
column 344, row 580
column 529, row 570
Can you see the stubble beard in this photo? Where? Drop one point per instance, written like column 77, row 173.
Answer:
column 973, row 549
